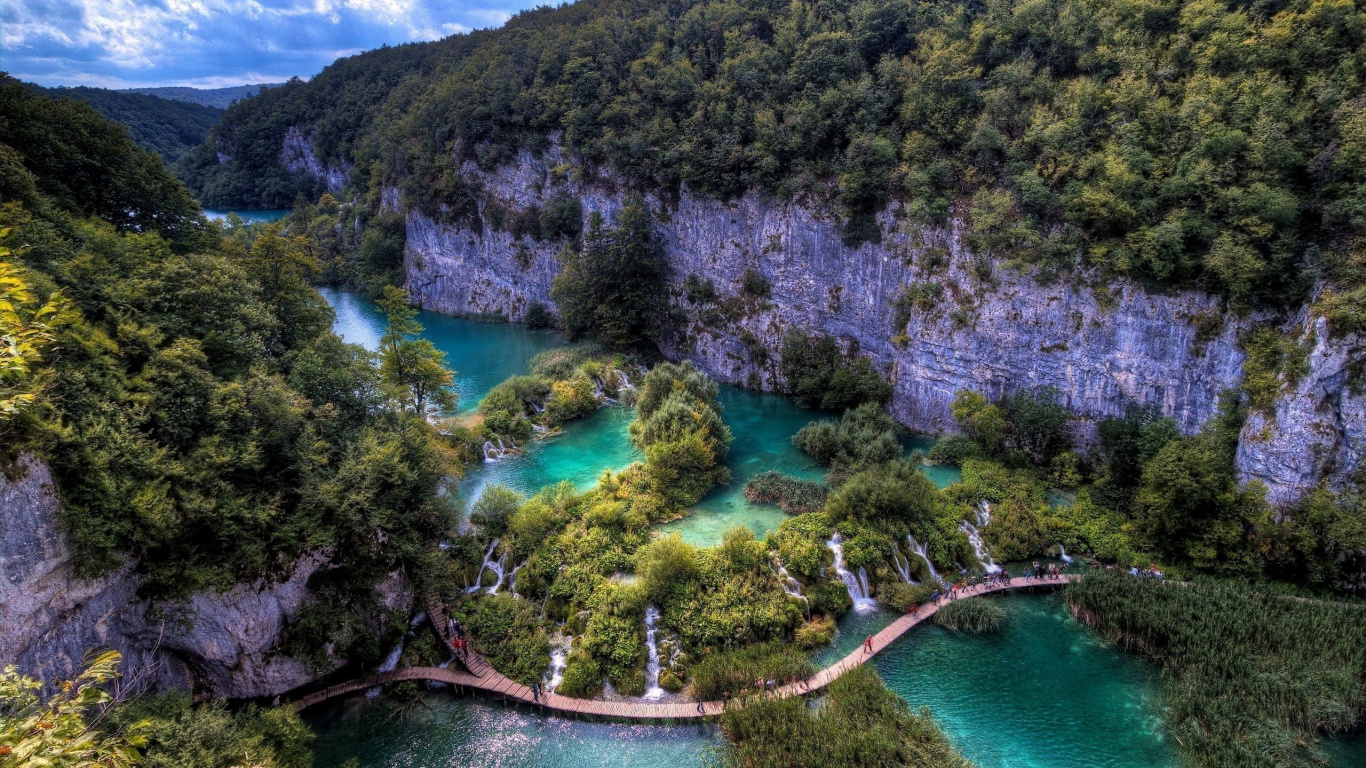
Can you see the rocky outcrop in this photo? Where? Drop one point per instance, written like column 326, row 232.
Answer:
column 224, row 644
column 1105, row 345
column 297, row 156
column 1318, row 428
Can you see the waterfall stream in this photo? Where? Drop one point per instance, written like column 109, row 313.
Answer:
column 856, row 584
column 489, row 564
column 919, row 549
column 389, row 665
column 560, row 645
column 791, row 586
column 1062, row 554
column 652, row 689
column 974, row 533
column 902, row 565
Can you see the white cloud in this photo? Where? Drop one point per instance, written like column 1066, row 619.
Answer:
column 118, row 43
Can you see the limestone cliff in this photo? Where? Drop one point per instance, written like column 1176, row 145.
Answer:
column 297, row 155
column 1104, row 345
column 224, row 644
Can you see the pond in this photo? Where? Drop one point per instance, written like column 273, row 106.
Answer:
column 249, row 216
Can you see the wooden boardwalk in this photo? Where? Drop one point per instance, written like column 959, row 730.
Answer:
column 480, row 676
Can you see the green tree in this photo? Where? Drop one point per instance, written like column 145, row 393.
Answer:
column 26, row 329
column 412, row 368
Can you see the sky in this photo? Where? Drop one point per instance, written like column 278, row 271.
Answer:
column 216, row 43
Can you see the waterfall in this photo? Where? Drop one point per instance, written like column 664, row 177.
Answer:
column 559, row 659
column 975, row 537
column 487, row 564
column 791, row 586
column 857, row 585
column 536, row 407
column 652, row 689
column 389, row 665
column 538, row 428
column 919, row 549
column 1062, row 553
column 902, row 565
column 512, row 579
column 625, row 382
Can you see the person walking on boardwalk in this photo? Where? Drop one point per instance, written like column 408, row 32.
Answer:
column 700, row 711
column 868, row 644
column 535, row 691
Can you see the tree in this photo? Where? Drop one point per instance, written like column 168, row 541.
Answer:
column 412, row 369
column 612, row 288
column 26, row 328
column 282, row 266
column 981, row 420
column 60, row 732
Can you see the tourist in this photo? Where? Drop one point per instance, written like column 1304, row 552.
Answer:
column 535, row 691
column 868, row 644
column 700, row 710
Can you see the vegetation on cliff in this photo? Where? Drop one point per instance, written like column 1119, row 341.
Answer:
column 167, row 127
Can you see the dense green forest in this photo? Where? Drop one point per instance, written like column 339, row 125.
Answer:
column 166, row 127
column 218, row 98
column 183, row 383
column 1218, row 144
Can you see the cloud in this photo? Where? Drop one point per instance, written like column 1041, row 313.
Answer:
column 211, row 43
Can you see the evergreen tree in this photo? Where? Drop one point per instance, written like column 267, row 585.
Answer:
column 412, row 369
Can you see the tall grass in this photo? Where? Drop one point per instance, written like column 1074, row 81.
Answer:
column 978, row 615
column 859, row 723
column 1252, row 679
column 735, row 672
column 794, row 495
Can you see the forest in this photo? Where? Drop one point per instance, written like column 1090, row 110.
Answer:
column 1203, row 144
column 167, row 127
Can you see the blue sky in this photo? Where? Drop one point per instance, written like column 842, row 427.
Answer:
column 212, row 43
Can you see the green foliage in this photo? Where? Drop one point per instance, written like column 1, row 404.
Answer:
column 61, row 731
column 411, row 367
column 977, row 615
column 167, row 127
column 1250, row 683
column 665, row 563
column 818, row 375
column 28, row 327
column 1025, row 426
column 954, row 450
column 508, row 632
column 612, row 287
column 859, row 723
column 495, row 506
column 1273, row 363
column 864, row 437
column 903, row 597
column 794, row 495
column 733, row 673
column 897, row 493
column 679, row 427
column 181, row 735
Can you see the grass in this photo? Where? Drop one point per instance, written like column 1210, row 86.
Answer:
column 734, row 672
column 1253, row 679
column 977, row 615
column 793, row 495
column 859, row 723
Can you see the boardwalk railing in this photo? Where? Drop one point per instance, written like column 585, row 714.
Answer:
column 485, row 678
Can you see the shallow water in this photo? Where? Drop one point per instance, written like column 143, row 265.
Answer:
column 252, row 216
column 482, row 354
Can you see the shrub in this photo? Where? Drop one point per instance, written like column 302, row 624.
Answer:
column 954, row 449
column 817, row 632
column 902, row 597
column 865, row 436
column 734, row 672
column 508, row 632
column 539, row 316
column 794, row 495
column 977, row 615
column 754, row 285
column 818, row 375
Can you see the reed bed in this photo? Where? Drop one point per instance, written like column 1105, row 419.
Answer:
column 1253, row 680
column 792, row 494
column 734, row 673
column 978, row 615
column 859, row 723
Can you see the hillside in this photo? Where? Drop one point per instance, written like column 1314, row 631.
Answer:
column 165, row 126
column 218, row 98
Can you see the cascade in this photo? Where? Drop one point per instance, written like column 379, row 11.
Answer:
column 974, row 533
column 1062, row 554
column 512, row 579
column 652, row 689
column 535, row 406
column 560, row 645
column 487, row 564
column 902, row 565
column 919, row 549
column 625, row 382
column 791, row 586
column 389, row 665
column 856, row 584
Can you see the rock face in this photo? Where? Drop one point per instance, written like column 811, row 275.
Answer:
column 1106, row 346
column 223, row 644
column 297, row 156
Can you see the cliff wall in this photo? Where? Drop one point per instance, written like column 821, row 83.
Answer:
column 1106, row 345
column 224, row 644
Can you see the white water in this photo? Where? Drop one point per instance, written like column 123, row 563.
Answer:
column 791, row 586
column 497, row 566
column 389, row 665
column 652, row 689
column 975, row 537
column 560, row 645
column 919, row 549
column 495, row 452
column 902, row 565
column 857, row 585
column 1062, row 554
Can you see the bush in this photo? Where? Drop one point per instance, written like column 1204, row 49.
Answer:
column 977, row 615
column 902, row 597
column 754, row 285
column 817, row 632
column 212, row 736
column 508, row 632
column 954, row 450
column 865, row 436
column 539, row 316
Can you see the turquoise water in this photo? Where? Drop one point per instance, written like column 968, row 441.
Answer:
column 265, row 215
column 482, row 354
column 445, row 731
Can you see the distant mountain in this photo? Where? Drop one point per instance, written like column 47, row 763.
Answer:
column 165, row 126
column 208, row 97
